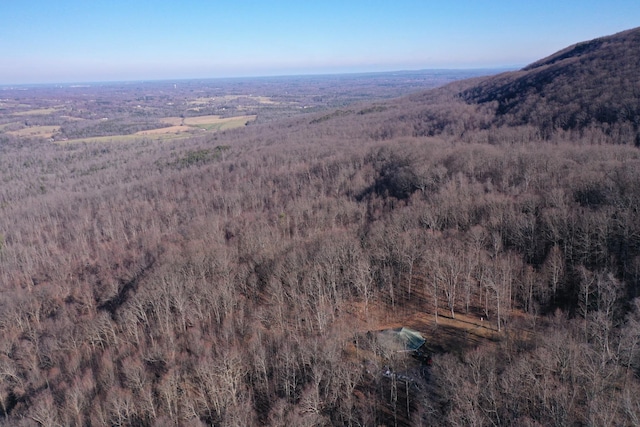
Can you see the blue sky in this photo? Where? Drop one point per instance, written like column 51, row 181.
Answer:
column 55, row 41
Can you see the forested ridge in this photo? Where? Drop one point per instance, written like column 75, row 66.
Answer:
column 589, row 87
column 230, row 279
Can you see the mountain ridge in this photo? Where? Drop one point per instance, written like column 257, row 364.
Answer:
column 589, row 84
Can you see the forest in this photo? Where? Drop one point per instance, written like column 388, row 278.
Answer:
column 240, row 277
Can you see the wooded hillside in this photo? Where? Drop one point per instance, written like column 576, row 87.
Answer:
column 586, row 88
column 231, row 278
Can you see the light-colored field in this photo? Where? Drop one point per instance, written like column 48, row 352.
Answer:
column 72, row 119
column 169, row 129
column 259, row 99
column 36, row 132
column 206, row 122
column 201, row 120
column 189, row 124
column 180, row 128
column 264, row 100
column 202, row 101
column 173, row 121
column 217, row 123
column 37, row 112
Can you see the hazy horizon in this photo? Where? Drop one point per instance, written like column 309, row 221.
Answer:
column 73, row 41
column 89, row 83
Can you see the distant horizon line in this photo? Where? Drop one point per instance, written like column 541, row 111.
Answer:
column 88, row 83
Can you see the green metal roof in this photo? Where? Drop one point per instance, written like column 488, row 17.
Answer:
column 401, row 339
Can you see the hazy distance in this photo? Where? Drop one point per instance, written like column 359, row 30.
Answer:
column 78, row 41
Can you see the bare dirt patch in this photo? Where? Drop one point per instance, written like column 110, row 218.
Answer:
column 445, row 335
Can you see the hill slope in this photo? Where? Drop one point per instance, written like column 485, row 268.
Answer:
column 592, row 84
column 231, row 278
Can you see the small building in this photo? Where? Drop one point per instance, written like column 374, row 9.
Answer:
column 400, row 339
column 404, row 340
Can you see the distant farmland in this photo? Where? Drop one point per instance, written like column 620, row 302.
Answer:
column 218, row 123
column 179, row 125
column 38, row 111
column 179, row 128
column 189, row 124
column 35, row 131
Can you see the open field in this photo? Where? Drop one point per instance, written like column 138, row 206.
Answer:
column 171, row 129
column 217, row 123
column 173, row 121
column 180, row 128
column 208, row 121
column 123, row 138
column 71, row 118
column 35, row 132
column 212, row 122
column 38, row 111
column 263, row 100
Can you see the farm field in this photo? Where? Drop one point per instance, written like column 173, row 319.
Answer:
column 189, row 127
column 36, row 131
column 123, row 138
column 38, row 111
column 218, row 123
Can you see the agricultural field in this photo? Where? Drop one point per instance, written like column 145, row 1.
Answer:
column 38, row 111
column 187, row 127
column 218, row 123
column 36, row 131
column 122, row 138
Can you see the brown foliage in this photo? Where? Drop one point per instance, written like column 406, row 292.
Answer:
column 229, row 292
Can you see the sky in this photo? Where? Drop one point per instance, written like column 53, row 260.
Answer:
column 59, row 41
